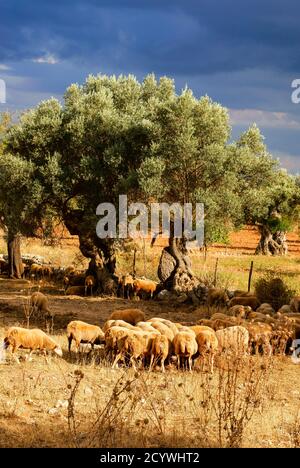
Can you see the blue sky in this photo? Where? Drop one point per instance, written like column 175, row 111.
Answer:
column 243, row 53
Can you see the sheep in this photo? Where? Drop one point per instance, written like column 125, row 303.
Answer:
column 260, row 335
column 82, row 332
column 136, row 344
column 200, row 328
column 75, row 291
column 90, row 283
column 33, row 339
column 39, row 303
column 118, row 323
column 295, row 304
column 235, row 339
column 185, row 347
column 266, row 308
column 144, row 286
column 208, row 344
column 166, row 322
column 284, row 309
column 146, row 326
column 132, row 316
column 112, row 336
column 126, row 284
column 160, row 350
column 163, row 329
column 217, row 297
column 239, row 311
column 36, row 270
column 251, row 301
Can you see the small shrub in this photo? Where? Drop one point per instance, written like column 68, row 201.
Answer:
column 273, row 290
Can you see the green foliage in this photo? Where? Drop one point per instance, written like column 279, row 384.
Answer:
column 113, row 135
column 271, row 288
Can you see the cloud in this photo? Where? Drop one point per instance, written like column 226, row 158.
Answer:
column 263, row 118
column 4, row 67
column 48, row 58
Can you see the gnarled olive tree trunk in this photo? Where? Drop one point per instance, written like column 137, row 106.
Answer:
column 15, row 264
column 175, row 272
column 271, row 243
column 101, row 252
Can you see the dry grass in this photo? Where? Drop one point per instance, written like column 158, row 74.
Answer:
column 82, row 402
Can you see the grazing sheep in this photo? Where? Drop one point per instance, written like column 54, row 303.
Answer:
column 89, row 283
column 75, row 291
column 260, row 335
column 233, row 339
column 82, row 332
column 163, row 329
column 146, row 326
column 217, row 297
column 239, row 311
column 132, row 316
column 160, row 350
column 284, row 309
column 136, row 344
column 144, row 286
column 266, row 308
column 33, row 339
column 208, row 344
column 250, row 301
column 185, row 347
column 166, row 322
column 36, row 271
column 112, row 337
column 39, row 302
column 118, row 323
column 200, row 328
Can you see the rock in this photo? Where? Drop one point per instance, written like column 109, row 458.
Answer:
column 164, row 295
column 182, row 298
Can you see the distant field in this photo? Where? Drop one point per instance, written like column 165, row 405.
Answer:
column 233, row 264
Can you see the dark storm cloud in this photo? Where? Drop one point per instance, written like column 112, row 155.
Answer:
column 243, row 53
column 166, row 36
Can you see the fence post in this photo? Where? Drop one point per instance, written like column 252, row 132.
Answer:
column 250, row 276
column 216, row 269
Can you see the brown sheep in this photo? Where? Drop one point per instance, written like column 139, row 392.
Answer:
column 239, row 311
column 144, row 286
column 136, row 344
column 163, row 329
column 75, row 291
column 126, row 285
column 217, row 297
column 132, row 316
column 82, row 332
column 166, row 322
column 39, row 303
column 208, row 344
column 160, row 350
column 33, row 339
column 89, row 283
column 250, row 301
column 185, row 347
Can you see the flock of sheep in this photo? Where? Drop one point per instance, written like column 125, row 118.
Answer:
column 243, row 326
